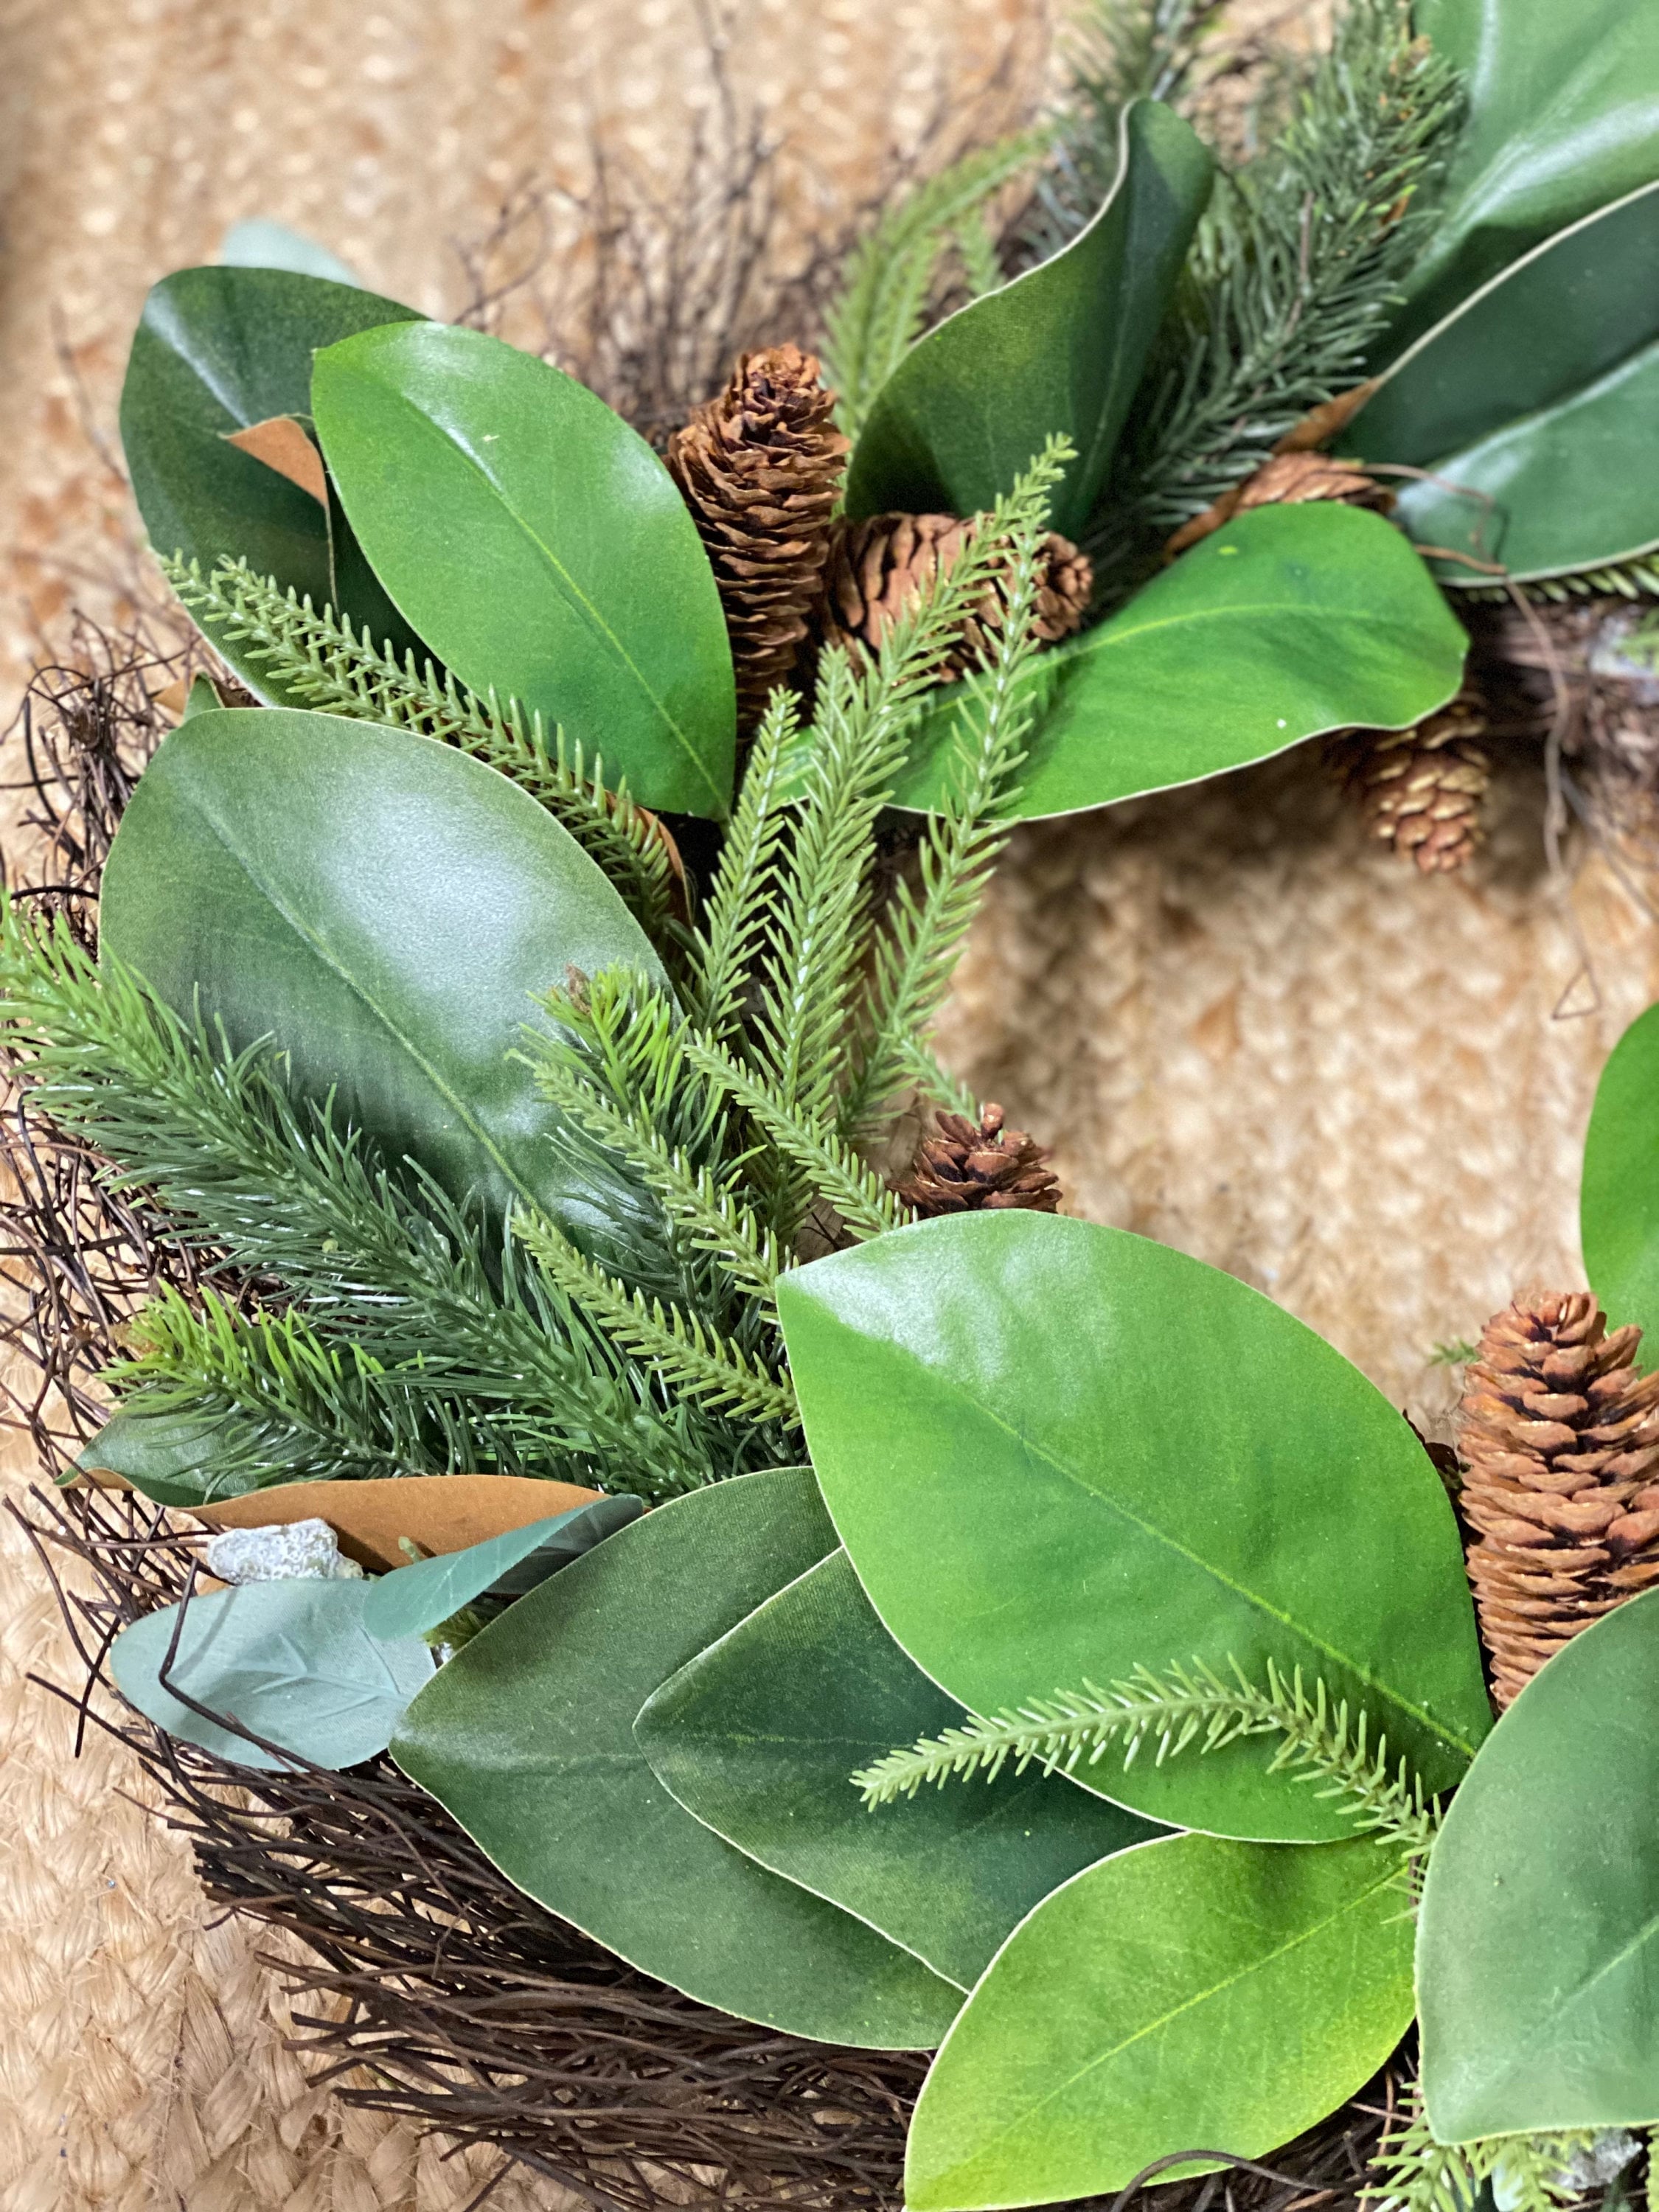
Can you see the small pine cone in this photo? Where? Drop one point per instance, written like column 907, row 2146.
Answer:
column 760, row 467
column 877, row 567
column 962, row 1168
column 1560, row 1437
column 1287, row 480
column 1421, row 789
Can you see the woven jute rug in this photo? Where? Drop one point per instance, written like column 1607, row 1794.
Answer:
column 1248, row 1033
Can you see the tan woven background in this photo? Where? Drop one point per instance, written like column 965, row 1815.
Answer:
column 1251, row 1036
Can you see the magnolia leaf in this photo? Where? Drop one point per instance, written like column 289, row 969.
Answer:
column 282, row 445
column 1527, row 402
column 383, row 908
column 1619, row 1204
column 441, row 1513
column 1563, row 117
column 428, row 1592
column 1291, row 620
column 542, row 547
column 1538, row 1942
column 1056, row 1452
column 217, row 351
column 259, row 243
column 759, row 1735
column 526, row 1737
column 164, row 1454
column 1060, row 349
column 1189, row 1992
column 291, row 1661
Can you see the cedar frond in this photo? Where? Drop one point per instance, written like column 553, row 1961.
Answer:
column 739, row 906
column 891, row 275
column 317, row 656
column 1322, row 1744
column 1533, row 2173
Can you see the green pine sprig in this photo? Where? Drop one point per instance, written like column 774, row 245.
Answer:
column 1412, row 2172
column 1321, row 1743
column 316, row 655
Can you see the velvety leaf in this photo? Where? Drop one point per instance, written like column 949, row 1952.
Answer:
column 1563, row 117
column 383, row 907
column 216, row 351
column 163, row 1455
column 1619, row 1204
column 1291, row 620
column 291, row 1661
column 1538, row 1942
column 441, row 1513
column 1061, row 349
column 540, row 546
column 1527, row 405
column 427, row 1592
column 1190, row 1993
column 758, row 1737
column 526, row 1737
column 259, row 243
column 1055, row 1452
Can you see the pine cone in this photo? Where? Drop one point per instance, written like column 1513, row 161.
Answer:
column 1421, row 789
column 1287, row 480
column 962, row 1168
column 1560, row 1444
column 760, row 468
column 877, row 567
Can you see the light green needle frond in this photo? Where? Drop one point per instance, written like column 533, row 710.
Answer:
column 319, row 657
column 1321, row 1743
column 1414, row 2173
column 739, row 906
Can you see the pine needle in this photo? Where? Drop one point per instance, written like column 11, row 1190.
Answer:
column 1415, row 2173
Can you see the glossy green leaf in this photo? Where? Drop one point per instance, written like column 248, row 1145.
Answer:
column 527, row 1736
column 1618, row 1203
column 540, row 546
column 1190, row 1993
column 1061, row 349
column 1563, row 117
column 425, row 1593
column 1056, row 1452
column 1291, row 620
column 1533, row 405
column 259, row 243
column 217, row 350
column 291, row 1661
column 384, row 907
column 1538, row 1942
column 759, row 1735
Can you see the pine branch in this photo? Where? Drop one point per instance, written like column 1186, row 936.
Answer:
column 317, row 656
column 739, row 906
column 1415, row 2173
column 695, row 1362
column 917, row 952
column 891, row 274
column 491, row 1352
column 1322, row 1745
column 1298, row 265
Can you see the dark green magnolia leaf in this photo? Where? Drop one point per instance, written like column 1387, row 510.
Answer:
column 427, row 1593
column 1563, row 117
column 384, row 907
column 1291, row 620
column 291, row 1661
column 540, row 546
column 1531, row 405
column 759, row 1736
column 1061, row 349
column 1537, row 1943
column 217, row 350
column 164, row 1454
column 1192, row 1992
column 1056, row 1452
column 1618, row 1205
column 526, row 1737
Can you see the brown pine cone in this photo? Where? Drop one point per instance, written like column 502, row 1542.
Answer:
column 1560, row 1437
column 760, row 467
column 962, row 1168
column 1287, row 480
column 1421, row 789
column 877, row 567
